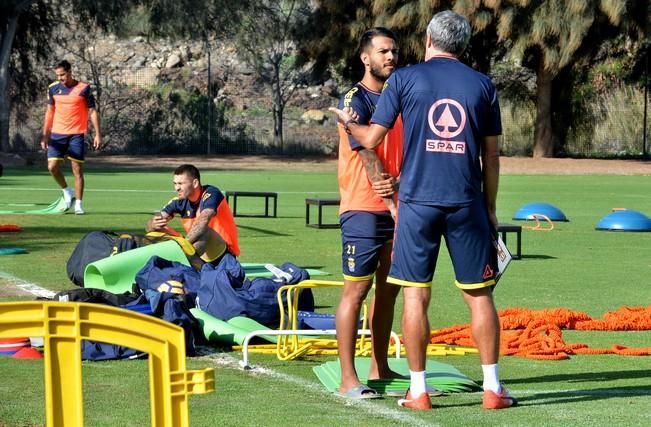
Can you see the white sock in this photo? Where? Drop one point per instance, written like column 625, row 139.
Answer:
column 417, row 386
column 78, row 204
column 67, row 193
column 491, row 377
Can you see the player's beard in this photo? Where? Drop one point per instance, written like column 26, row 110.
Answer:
column 380, row 73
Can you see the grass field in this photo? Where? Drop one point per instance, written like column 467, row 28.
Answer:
column 572, row 266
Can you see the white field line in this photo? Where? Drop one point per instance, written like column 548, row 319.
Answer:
column 32, row 288
column 400, row 416
column 132, row 190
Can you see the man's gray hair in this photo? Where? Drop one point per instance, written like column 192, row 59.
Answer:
column 449, row 32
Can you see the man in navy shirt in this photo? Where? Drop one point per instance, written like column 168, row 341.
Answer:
column 448, row 188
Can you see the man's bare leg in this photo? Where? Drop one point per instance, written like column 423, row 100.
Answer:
column 381, row 315
column 54, row 167
column 485, row 324
column 415, row 326
column 347, row 322
column 78, row 172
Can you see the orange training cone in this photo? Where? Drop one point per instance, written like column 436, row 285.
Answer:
column 27, row 353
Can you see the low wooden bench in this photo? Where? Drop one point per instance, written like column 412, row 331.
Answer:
column 512, row 228
column 267, row 196
column 319, row 203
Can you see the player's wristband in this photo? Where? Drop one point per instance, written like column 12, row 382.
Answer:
column 347, row 122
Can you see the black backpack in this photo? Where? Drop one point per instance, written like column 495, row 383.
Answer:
column 97, row 245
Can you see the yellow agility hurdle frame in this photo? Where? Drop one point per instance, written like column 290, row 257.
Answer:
column 293, row 343
column 63, row 325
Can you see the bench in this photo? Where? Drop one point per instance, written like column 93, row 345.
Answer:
column 319, row 203
column 512, row 228
column 265, row 194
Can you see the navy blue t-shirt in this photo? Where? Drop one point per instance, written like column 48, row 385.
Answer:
column 447, row 109
column 362, row 100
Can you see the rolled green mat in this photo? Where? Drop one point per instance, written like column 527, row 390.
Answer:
column 117, row 273
column 228, row 333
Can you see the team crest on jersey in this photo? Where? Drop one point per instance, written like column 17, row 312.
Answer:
column 351, row 265
column 205, row 196
column 386, row 85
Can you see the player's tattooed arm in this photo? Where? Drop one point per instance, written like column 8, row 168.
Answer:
column 200, row 225
column 383, row 183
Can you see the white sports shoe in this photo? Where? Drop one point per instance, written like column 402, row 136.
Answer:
column 79, row 208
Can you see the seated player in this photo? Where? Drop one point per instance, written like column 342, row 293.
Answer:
column 204, row 213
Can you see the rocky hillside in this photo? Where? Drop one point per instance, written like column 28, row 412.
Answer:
column 136, row 76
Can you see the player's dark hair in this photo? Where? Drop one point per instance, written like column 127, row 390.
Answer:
column 367, row 37
column 189, row 170
column 65, row 65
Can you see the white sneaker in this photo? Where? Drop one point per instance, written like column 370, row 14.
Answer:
column 79, row 208
column 68, row 197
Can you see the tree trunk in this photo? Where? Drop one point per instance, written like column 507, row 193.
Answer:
column 7, row 40
column 543, row 134
column 278, row 107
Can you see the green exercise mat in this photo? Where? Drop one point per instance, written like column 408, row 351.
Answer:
column 442, row 376
column 117, row 273
column 254, row 270
column 55, row 208
column 232, row 332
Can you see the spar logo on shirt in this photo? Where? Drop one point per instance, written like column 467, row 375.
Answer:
column 447, row 119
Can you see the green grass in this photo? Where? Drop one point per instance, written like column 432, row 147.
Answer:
column 572, row 266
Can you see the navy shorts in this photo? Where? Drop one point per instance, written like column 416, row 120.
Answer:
column 363, row 235
column 60, row 146
column 468, row 233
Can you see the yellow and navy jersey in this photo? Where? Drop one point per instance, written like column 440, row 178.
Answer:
column 211, row 198
column 355, row 188
column 70, row 106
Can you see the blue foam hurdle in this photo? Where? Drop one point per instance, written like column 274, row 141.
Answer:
column 624, row 220
column 528, row 211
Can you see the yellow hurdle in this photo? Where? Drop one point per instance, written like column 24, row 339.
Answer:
column 63, row 325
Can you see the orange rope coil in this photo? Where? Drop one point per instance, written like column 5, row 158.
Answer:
column 537, row 334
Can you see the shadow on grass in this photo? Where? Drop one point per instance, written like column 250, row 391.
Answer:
column 587, row 394
column 538, row 257
column 585, row 377
column 263, row 231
